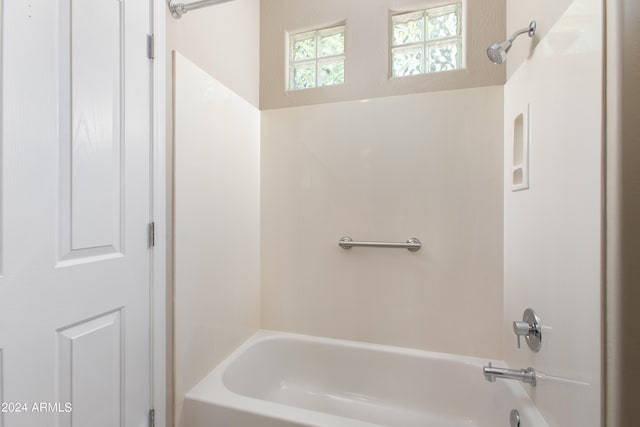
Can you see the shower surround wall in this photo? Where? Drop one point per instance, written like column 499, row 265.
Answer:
column 519, row 13
column 553, row 231
column 216, row 285
column 426, row 166
column 217, row 223
column 383, row 167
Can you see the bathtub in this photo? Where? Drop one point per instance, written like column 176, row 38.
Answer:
column 284, row 380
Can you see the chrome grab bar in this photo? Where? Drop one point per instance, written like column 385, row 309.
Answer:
column 412, row 244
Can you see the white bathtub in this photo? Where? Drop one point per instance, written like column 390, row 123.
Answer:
column 285, row 380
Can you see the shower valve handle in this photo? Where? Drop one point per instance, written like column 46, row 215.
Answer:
column 522, row 329
column 529, row 328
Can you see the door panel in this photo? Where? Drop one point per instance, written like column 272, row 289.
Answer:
column 90, row 371
column 76, row 150
column 92, row 104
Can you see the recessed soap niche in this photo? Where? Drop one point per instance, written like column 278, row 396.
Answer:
column 520, row 169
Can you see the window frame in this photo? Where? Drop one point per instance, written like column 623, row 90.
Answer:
column 425, row 43
column 317, row 60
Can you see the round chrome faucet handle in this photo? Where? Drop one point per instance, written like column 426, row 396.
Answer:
column 529, row 328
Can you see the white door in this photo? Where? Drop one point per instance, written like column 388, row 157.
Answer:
column 75, row 182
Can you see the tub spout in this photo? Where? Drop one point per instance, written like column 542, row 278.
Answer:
column 525, row 375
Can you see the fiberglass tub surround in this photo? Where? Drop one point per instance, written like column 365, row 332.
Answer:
column 280, row 379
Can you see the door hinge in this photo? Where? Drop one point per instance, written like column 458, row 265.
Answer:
column 152, row 234
column 152, row 418
column 150, row 46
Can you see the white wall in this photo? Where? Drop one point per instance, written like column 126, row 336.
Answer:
column 553, row 233
column 367, row 48
column 217, row 223
column 426, row 166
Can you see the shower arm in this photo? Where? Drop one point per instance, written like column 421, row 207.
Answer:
column 179, row 9
column 531, row 30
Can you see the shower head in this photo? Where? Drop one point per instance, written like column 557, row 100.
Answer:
column 497, row 52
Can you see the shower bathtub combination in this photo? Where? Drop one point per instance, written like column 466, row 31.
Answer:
column 284, row 380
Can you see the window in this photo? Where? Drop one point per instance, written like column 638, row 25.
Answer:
column 316, row 58
column 426, row 41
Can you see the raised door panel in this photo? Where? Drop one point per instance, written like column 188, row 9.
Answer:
column 90, row 372
column 91, row 107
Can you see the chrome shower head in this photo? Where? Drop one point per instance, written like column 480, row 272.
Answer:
column 497, row 52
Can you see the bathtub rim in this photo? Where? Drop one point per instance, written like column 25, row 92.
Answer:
column 212, row 389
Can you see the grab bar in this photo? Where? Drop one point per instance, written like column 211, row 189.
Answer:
column 413, row 244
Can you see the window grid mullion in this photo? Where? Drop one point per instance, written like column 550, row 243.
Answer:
column 443, row 40
column 316, row 61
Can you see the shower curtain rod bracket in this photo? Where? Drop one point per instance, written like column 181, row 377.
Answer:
column 176, row 9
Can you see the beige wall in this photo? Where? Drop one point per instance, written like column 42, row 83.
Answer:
column 367, row 49
column 223, row 40
column 553, row 231
column 217, row 224
column 623, row 212
column 426, row 166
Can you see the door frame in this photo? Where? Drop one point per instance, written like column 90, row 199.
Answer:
column 159, row 343
column 622, row 240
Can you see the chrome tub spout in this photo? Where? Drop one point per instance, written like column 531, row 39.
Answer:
column 525, row 375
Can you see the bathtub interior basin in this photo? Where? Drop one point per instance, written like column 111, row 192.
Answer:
column 279, row 379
